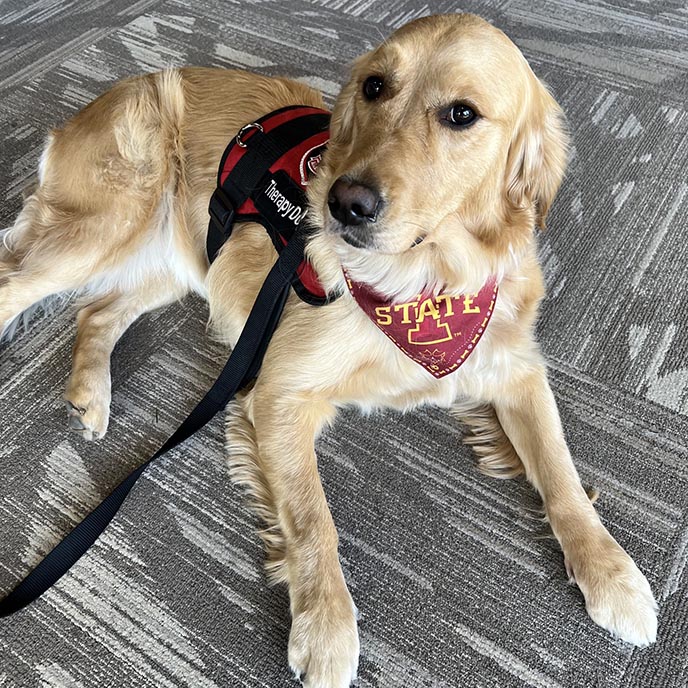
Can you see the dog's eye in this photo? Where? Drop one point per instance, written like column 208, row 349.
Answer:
column 372, row 87
column 460, row 115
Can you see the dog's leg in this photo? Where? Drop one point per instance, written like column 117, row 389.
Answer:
column 50, row 250
column 99, row 326
column 31, row 270
column 109, row 186
column 493, row 450
column 19, row 291
column 617, row 595
column 323, row 642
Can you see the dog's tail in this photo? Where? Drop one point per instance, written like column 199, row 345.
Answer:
column 495, row 454
column 6, row 262
column 4, row 236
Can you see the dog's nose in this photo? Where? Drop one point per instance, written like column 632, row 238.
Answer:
column 353, row 203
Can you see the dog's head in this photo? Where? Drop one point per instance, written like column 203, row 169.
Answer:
column 443, row 145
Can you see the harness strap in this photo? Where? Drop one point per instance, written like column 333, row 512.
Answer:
column 242, row 366
column 263, row 150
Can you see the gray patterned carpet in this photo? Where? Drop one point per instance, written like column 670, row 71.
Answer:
column 174, row 594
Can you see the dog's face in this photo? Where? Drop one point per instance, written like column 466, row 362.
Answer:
column 443, row 130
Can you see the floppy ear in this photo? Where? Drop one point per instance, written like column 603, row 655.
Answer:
column 343, row 115
column 538, row 154
column 341, row 124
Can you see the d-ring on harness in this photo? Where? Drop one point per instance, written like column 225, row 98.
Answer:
column 244, row 129
column 262, row 168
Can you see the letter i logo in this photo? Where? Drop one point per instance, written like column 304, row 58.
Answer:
column 430, row 330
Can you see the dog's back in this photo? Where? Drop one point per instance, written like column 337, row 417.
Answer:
column 120, row 211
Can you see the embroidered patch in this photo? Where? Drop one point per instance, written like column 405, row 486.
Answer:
column 437, row 332
column 310, row 161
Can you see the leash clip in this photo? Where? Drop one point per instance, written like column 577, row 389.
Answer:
column 244, row 129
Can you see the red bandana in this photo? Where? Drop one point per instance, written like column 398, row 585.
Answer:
column 437, row 332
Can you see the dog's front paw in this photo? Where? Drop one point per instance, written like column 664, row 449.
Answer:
column 88, row 405
column 323, row 646
column 617, row 595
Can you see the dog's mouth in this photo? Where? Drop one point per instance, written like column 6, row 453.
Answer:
column 354, row 239
column 362, row 240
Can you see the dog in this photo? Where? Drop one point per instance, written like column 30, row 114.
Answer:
column 445, row 155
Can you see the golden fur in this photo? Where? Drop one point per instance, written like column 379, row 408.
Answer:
column 120, row 216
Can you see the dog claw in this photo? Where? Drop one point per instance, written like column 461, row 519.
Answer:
column 75, row 423
column 72, row 409
column 88, row 420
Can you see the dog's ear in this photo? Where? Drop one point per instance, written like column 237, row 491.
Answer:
column 538, row 154
column 343, row 114
column 342, row 122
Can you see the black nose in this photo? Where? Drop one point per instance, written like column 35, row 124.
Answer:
column 353, row 203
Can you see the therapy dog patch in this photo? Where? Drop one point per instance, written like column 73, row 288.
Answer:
column 437, row 332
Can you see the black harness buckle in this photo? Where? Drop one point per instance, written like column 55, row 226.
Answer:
column 222, row 211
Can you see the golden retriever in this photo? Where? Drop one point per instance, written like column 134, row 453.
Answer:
column 463, row 150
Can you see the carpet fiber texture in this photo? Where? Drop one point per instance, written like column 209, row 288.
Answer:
column 470, row 594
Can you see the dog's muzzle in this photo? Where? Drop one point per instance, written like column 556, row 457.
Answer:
column 355, row 207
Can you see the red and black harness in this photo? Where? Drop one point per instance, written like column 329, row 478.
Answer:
column 263, row 176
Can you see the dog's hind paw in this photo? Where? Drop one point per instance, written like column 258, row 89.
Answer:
column 88, row 411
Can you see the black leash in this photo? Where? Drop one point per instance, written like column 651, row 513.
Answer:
column 243, row 365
